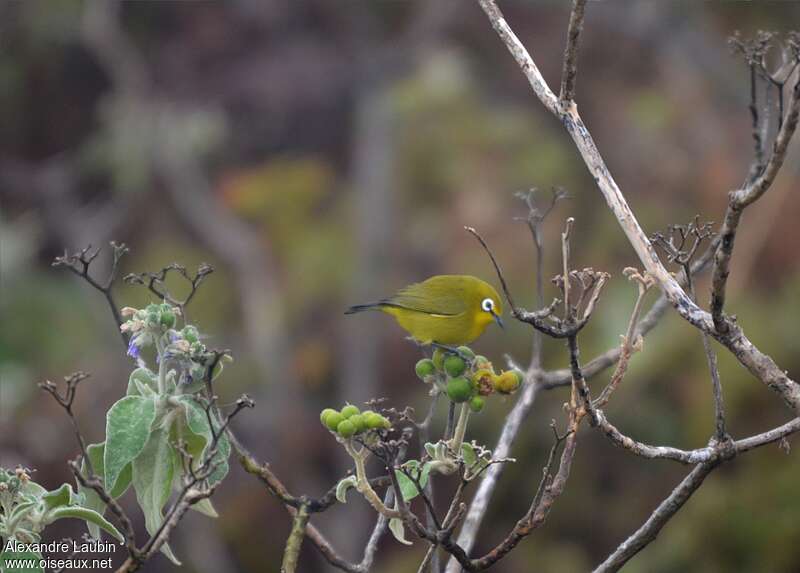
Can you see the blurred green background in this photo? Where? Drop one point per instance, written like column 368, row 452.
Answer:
column 320, row 154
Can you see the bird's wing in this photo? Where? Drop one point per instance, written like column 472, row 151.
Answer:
column 430, row 298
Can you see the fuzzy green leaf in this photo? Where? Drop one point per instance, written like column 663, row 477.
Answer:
column 408, row 487
column 58, row 497
column 142, row 382
column 128, row 425
column 90, row 498
column 32, row 490
column 468, row 453
column 205, row 507
column 9, row 558
column 153, row 471
column 398, row 530
column 197, row 423
column 88, row 515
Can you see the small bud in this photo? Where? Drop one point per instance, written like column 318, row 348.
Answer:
column 168, row 319
column 425, row 368
column 3, row 486
column 182, row 346
column 349, row 411
column 483, row 362
column 346, row 429
column 459, row 389
column 454, row 366
column 127, row 311
column 190, row 334
column 476, row 404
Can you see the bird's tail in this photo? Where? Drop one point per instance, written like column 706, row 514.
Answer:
column 362, row 307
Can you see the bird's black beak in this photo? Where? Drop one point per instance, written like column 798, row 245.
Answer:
column 498, row 320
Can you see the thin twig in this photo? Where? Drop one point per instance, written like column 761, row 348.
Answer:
column 80, row 263
column 740, row 199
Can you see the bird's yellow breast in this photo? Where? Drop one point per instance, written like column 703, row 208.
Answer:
column 457, row 329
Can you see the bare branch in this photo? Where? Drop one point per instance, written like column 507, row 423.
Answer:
column 742, row 198
column 570, row 71
column 758, row 363
column 80, row 264
column 291, row 553
column 540, row 507
column 662, row 514
column 631, row 341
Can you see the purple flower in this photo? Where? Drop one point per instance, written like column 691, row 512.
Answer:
column 133, row 350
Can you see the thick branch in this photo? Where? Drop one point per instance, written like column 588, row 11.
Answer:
column 663, row 513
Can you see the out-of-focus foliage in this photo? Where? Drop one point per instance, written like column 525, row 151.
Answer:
column 268, row 100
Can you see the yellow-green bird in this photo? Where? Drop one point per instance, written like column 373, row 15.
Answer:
column 444, row 309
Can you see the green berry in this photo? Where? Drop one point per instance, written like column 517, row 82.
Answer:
column 333, row 420
column 359, row 422
column 438, row 359
column 454, row 365
column 346, row 429
column 476, row 404
column 324, row 415
column 350, row 410
column 466, row 352
column 13, row 483
column 459, row 389
column 3, row 476
column 425, row 368
column 385, row 423
column 373, row 420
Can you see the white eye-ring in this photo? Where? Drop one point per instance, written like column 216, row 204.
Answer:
column 487, row 305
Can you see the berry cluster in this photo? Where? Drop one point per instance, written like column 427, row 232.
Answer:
column 350, row 421
column 466, row 377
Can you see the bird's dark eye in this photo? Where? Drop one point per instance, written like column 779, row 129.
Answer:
column 487, row 305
